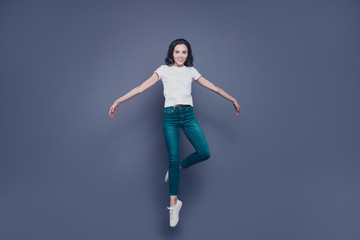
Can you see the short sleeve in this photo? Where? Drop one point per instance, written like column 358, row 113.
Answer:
column 196, row 74
column 160, row 71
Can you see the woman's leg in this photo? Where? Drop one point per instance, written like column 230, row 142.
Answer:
column 197, row 138
column 172, row 139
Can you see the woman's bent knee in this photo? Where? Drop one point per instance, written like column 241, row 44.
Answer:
column 205, row 155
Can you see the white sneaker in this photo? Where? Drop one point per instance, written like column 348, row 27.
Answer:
column 167, row 176
column 174, row 213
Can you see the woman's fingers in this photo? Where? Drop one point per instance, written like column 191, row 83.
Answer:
column 237, row 108
column 112, row 111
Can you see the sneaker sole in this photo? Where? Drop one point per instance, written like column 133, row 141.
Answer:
column 167, row 176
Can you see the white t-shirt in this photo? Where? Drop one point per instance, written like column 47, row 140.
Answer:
column 177, row 84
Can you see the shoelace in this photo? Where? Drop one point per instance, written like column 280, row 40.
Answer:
column 172, row 210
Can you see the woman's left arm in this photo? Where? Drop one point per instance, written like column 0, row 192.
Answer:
column 209, row 85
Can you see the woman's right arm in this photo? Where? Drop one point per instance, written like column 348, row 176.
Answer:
column 144, row 86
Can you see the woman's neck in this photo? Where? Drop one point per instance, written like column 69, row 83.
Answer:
column 174, row 65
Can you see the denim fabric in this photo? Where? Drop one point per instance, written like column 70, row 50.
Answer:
column 182, row 117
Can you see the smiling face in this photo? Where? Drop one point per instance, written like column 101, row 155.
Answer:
column 180, row 54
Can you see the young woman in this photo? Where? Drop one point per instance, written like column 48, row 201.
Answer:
column 177, row 76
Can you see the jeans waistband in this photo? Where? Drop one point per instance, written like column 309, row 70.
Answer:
column 181, row 107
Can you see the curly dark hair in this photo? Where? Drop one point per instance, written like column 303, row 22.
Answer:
column 170, row 58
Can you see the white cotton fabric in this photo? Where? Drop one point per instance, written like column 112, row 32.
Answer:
column 177, row 84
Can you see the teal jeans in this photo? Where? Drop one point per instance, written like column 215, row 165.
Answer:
column 182, row 117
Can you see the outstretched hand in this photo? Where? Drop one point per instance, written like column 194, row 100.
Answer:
column 237, row 108
column 113, row 109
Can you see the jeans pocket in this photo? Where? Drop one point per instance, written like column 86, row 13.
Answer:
column 168, row 111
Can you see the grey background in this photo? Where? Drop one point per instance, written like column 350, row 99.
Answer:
column 287, row 168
